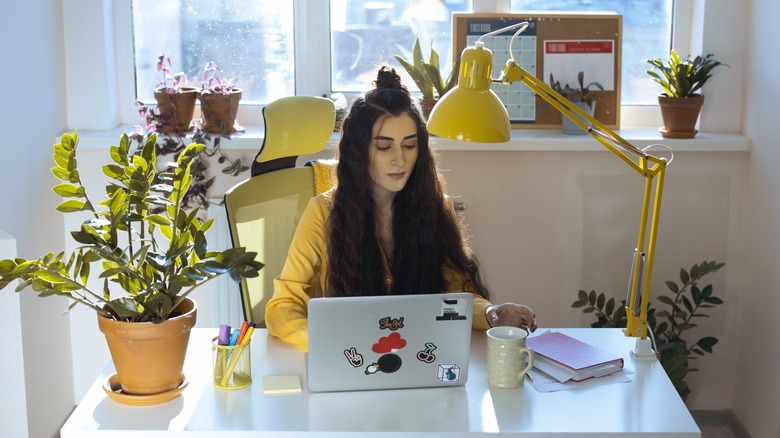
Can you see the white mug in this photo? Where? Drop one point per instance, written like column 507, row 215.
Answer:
column 508, row 359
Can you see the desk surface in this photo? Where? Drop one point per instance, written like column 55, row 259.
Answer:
column 647, row 406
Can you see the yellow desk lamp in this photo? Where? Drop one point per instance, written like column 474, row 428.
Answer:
column 472, row 112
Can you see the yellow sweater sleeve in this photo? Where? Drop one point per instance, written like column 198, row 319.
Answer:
column 285, row 314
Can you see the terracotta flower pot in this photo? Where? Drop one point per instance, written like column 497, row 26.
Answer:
column 219, row 111
column 176, row 109
column 680, row 115
column 149, row 357
column 427, row 105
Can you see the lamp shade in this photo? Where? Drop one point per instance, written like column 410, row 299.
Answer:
column 471, row 111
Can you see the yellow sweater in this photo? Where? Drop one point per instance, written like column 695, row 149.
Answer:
column 304, row 272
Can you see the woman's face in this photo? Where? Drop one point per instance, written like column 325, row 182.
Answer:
column 392, row 154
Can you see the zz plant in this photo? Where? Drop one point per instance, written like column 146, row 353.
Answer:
column 684, row 303
column 126, row 239
column 427, row 75
column 681, row 77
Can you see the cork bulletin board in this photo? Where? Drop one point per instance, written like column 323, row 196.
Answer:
column 562, row 44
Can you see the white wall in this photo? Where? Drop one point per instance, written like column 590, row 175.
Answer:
column 34, row 113
column 546, row 225
column 757, row 400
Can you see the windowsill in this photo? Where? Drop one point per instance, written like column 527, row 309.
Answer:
column 536, row 140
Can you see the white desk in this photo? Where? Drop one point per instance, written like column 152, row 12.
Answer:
column 647, row 406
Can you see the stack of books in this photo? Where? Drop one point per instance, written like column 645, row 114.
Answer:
column 565, row 358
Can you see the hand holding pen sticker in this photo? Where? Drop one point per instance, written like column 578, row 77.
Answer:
column 355, row 359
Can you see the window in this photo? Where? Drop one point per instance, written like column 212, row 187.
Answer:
column 277, row 48
column 250, row 40
column 365, row 33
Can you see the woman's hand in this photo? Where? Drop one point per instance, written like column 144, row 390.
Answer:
column 511, row 314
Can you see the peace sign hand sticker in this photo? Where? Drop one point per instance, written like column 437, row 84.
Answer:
column 355, row 359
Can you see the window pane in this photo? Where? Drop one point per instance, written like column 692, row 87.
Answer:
column 250, row 40
column 647, row 33
column 365, row 34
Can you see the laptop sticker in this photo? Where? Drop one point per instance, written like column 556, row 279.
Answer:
column 387, row 363
column 427, row 355
column 452, row 309
column 389, row 343
column 448, row 373
column 391, row 323
column 355, row 359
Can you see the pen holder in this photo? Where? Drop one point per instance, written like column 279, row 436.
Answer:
column 232, row 365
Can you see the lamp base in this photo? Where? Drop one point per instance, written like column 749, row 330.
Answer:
column 643, row 351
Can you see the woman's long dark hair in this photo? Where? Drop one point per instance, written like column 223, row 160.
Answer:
column 426, row 236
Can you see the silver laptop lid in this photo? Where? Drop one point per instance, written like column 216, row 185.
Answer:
column 381, row 342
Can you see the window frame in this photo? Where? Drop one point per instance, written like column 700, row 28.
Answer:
column 113, row 66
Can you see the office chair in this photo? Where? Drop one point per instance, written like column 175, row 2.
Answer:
column 263, row 211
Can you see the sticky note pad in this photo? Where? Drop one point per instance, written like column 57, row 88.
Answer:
column 281, row 385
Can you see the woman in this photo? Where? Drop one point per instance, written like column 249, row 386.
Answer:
column 386, row 228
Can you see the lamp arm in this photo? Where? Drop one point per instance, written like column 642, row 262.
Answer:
column 647, row 165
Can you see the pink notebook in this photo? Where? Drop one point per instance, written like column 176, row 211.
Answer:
column 566, row 358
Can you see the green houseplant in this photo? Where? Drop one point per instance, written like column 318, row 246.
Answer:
column 685, row 303
column 582, row 96
column 126, row 242
column 681, row 79
column 427, row 76
column 175, row 101
column 219, row 101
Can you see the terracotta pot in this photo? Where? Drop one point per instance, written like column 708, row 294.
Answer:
column 427, row 105
column 176, row 110
column 219, row 111
column 149, row 357
column 680, row 115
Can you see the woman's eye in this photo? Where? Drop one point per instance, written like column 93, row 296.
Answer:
column 410, row 146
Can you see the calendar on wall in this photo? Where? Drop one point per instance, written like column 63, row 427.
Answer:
column 557, row 44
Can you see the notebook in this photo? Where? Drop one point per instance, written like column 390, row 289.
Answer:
column 566, row 358
column 383, row 342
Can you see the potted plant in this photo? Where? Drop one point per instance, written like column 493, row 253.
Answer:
column 428, row 77
column 218, row 101
column 126, row 243
column 175, row 102
column 582, row 96
column 684, row 304
column 680, row 79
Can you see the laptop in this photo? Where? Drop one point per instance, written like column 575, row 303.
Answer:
column 386, row 342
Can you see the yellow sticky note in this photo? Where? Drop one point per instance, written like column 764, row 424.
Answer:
column 281, row 385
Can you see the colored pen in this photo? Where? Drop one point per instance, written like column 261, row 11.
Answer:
column 244, row 326
column 234, row 337
column 224, row 335
column 248, row 335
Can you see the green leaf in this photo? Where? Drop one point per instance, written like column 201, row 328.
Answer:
column 69, row 190
column 610, row 306
column 158, row 219
column 126, row 308
column 71, row 206
column 672, row 286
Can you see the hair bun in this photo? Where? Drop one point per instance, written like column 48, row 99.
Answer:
column 387, row 78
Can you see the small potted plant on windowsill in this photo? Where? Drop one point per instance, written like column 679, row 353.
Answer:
column 428, row 77
column 175, row 101
column 218, row 102
column 680, row 79
column 582, row 96
column 148, row 328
